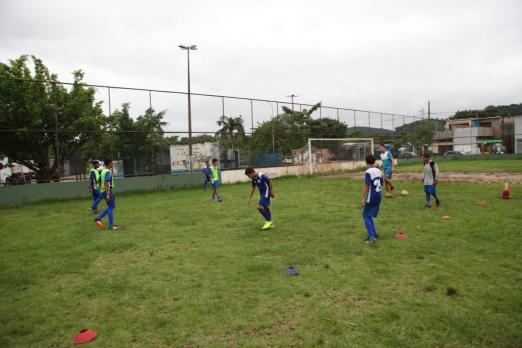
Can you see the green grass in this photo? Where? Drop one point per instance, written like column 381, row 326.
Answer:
column 185, row 272
column 469, row 166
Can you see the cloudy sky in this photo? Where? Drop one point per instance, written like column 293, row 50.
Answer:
column 382, row 55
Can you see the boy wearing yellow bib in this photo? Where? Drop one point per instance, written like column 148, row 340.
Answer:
column 107, row 187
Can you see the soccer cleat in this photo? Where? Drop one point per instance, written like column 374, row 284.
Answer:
column 369, row 241
column 114, row 228
column 427, row 206
column 99, row 223
column 388, row 195
column 437, row 202
column 267, row 225
column 377, row 235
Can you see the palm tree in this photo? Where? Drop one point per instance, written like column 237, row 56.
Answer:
column 231, row 133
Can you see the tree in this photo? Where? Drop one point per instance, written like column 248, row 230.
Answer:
column 420, row 133
column 291, row 130
column 231, row 134
column 49, row 123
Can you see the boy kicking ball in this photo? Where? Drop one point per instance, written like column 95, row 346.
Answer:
column 266, row 190
column 371, row 197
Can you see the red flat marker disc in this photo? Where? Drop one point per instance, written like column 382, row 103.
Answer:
column 401, row 235
column 85, row 335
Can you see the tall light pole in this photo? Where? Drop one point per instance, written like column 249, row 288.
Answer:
column 188, row 49
column 292, row 96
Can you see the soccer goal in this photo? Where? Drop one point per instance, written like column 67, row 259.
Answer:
column 333, row 154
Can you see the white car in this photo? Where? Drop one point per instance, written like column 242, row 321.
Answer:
column 287, row 160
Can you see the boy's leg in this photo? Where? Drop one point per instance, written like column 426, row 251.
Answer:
column 262, row 210
column 370, row 227
column 111, row 205
column 428, row 195
column 97, row 199
column 434, row 194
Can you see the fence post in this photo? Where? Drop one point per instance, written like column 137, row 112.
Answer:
column 369, row 126
column 310, row 166
column 354, row 122
column 110, row 127
column 337, row 114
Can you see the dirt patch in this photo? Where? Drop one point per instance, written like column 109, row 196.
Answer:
column 512, row 178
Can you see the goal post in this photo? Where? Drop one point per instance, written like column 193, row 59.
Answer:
column 335, row 154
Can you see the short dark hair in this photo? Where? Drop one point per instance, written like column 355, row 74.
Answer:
column 107, row 161
column 95, row 162
column 370, row 159
column 382, row 145
column 249, row 170
column 426, row 155
column 215, row 160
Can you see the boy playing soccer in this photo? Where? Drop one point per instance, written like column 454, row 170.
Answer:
column 94, row 186
column 214, row 179
column 388, row 168
column 107, row 187
column 430, row 179
column 266, row 190
column 371, row 197
column 207, row 173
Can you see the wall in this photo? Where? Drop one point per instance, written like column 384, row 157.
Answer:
column 238, row 175
column 22, row 194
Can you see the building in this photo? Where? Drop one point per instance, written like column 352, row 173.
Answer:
column 488, row 135
column 517, row 139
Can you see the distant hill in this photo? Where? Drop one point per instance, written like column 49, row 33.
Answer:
column 490, row 111
column 365, row 131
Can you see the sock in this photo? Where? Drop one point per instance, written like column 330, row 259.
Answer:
column 268, row 215
column 262, row 211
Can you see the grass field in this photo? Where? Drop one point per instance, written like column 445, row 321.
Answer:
column 468, row 166
column 190, row 273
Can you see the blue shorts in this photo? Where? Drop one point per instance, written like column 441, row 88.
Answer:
column 388, row 173
column 264, row 201
column 371, row 210
column 430, row 189
column 215, row 184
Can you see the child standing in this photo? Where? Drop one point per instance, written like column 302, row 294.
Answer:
column 207, row 173
column 214, row 179
column 94, row 186
column 266, row 191
column 371, row 197
column 430, row 178
column 388, row 168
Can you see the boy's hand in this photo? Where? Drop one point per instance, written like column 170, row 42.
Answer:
column 272, row 194
column 435, row 182
column 362, row 204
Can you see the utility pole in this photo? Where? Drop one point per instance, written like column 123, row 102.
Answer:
column 292, row 96
column 429, row 110
column 188, row 49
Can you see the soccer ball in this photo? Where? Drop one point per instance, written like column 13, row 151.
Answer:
column 404, row 193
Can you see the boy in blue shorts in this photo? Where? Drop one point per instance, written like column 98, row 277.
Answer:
column 388, row 167
column 371, row 197
column 207, row 173
column 266, row 191
column 94, row 186
column 107, row 187
column 430, row 178
column 214, row 179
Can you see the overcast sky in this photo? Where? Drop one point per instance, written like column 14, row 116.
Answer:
column 389, row 56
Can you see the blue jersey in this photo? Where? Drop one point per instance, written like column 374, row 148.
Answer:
column 261, row 182
column 374, row 180
column 386, row 159
column 206, row 171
